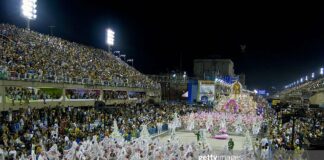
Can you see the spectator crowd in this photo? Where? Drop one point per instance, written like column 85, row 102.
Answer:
column 39, row 129
column 285, row 138
column 27, row 54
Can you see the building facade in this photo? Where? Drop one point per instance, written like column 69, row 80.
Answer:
column 173, row 85
column 211, row 68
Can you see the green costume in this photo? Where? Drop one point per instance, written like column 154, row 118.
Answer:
column 230, row 144
column 134, row 133
column 198, row 136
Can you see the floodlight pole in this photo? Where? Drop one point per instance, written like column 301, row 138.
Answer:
column 28, row 24
column 51, row 29
column 29, row 11
column 131, row 60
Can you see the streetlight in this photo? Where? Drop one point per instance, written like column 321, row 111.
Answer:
column 321, row 71
column 28, row 9
column 131, row 60
column 313, row 75
column 301, row 80
column 306, row 78
column 110, row 38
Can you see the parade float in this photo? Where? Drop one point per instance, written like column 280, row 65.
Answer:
column 235, row 113
column 239, row 112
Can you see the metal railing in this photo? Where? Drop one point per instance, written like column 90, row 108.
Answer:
column 34, row 77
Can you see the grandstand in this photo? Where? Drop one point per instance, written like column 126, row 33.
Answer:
column 312, row 89
column 29, row 57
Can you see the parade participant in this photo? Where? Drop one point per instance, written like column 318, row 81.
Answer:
column 191, row 122
column 53, row 153
column 159, row 127
column 198, row 135
column 231, row 145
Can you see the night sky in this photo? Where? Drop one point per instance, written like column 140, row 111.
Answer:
column 283, row 43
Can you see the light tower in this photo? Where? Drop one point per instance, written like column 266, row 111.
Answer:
column 110, row 38
column 123, row 55
column 131, row 60
column 28, row 8
column 117, row 52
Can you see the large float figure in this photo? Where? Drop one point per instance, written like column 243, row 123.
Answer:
column 235, row 105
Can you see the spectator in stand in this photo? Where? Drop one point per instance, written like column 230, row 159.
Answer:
column 30, row 55
column 24, row 130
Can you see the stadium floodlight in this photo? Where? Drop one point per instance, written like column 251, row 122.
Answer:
column 110, row 38
column 123, row 55
column 117, row 52
column 321, row 71
column 313, row 75
column 28, row 9
column 184, row 74
column 131, row 60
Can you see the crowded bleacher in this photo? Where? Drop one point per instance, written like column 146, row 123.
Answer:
column 313, row 84
column 30, row 56
column 27, row 55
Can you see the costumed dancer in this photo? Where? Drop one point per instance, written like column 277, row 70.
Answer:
column 191, row 122
column 209, row 123
column 53, row 153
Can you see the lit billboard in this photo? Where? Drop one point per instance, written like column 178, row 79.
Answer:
column 206, row 91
